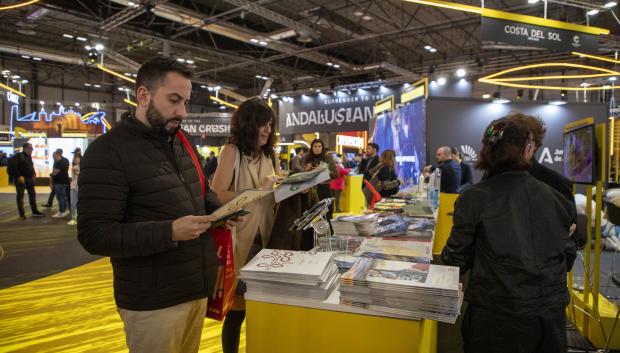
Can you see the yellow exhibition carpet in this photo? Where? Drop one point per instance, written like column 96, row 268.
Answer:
column 74, row 312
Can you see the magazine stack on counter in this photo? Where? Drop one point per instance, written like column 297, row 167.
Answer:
column 287, row 273
column 399, row 249
column 421, row 228
column 415, row 290
column 364, row 226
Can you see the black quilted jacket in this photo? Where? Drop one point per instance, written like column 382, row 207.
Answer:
column 133, row 183
column 512, row 232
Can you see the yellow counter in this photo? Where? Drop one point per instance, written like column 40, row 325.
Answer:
column 352, row 199
column 444, row 221
column 278, row 327
column 4, row 177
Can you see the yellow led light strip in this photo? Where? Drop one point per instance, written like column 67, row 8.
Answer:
column 566, row 77
column 19, row 93
column 130, row 102
column 504, row 81
column 18, row 5
column 111, row 72
column 596, row 57
column 216, row 99
column 490, row 13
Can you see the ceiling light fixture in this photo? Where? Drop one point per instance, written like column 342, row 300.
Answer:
column 592, row 12
column 486, row 96
column 36, row 58
column 263, row 43
column 189, row 61
column 532, row 1
column 97, row 86
column 68, row 36
column 254, row 40
column 81, row 39
column 441, row 81
column 461, row 73
column 610, row 4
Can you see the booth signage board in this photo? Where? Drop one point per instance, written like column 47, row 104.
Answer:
column 209, row 126
column 332, row 112
column 464, row 130
column 353, row 141
column 12, row 97
column 516, row 33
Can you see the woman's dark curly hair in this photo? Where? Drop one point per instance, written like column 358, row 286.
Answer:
column 503, row 146
column 244, row 124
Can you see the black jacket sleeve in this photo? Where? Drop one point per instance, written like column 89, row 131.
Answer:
column 101, row 207
column 467, row 177
column 448, row 177
column 459, row 249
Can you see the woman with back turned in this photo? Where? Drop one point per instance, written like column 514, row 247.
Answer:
column 512, row 232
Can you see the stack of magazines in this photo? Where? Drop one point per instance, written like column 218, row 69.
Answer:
column 400, row 249
column 286, row 273
column 415, row 290
column 364, row 226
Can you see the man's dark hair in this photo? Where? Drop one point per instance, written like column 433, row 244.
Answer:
column 503, row 146
column 153, row 72
column 455, row 152
column 375, row 146
column 305, row 149
column 26, row 145
column 535, row 125
column 297, row 150
column 244, row 125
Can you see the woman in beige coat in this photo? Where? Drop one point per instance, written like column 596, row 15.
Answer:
column 247, row 162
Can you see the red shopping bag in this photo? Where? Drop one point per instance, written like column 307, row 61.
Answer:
column 223, row 295
column 371, row 194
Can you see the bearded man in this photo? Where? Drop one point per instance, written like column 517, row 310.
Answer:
column 144, row 202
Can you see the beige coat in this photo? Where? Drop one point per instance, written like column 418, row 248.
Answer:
column 248, row 174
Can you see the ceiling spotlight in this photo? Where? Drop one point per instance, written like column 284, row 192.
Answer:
column 203, row 86
column 6, row 72
column 181, row 60
column 99, row 47
column 432, row 50
column 97, row 86
column 41, row 102
column 592, row 12
column 258, row 76
column 77, row 104
column 336, row 66
column 263, row 43
column 87, row 84
column 87, row 47
column 81, row 39
column 189, row 61
column 406, row 85
column 23, row 82
column 67, row 36
column 358, row 13
column 58, row 103
column 36, row 59
column 254, row 40
column 427, row 47
column 25, row 57
column 486, row 96
column 15, row 77
column 217, row 88
column 612, row 79
column 441, row 81
column 532, row 1
column 584, row 84
column 274, row 96
column 222, row 107
column 318, row 90
column 127, row 74
column 330, row 64
column 210, row 88
column 366, row 17
column 610, row 4
column 461, row 73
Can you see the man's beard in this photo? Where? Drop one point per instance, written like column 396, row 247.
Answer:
column 157, row 119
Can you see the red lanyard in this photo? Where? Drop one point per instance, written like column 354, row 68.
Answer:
column 190, row 150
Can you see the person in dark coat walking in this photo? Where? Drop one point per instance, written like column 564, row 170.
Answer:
column 144, row 202
column 24, row 181
column 512, row 233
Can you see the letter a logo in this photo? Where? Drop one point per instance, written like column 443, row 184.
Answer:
column 545, row 156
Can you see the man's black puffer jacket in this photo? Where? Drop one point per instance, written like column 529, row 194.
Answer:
column 133, row 183
column 512, row 231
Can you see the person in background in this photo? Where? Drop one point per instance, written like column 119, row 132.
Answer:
column 24, row 180
column 467, row 176
column 247, row 161
column 144, row 203
column 370, row 160
column 386, row 173
column 297, row 162
column 318, row 154
column 450, row 171
column 60, row 174
column 337, row 185
column 75, row 173
column 348, row 163
column 52, row 195
column 511, row 232
column 211, row 165
column 4, row 159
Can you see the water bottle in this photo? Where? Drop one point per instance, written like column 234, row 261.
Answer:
column 436, row 189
